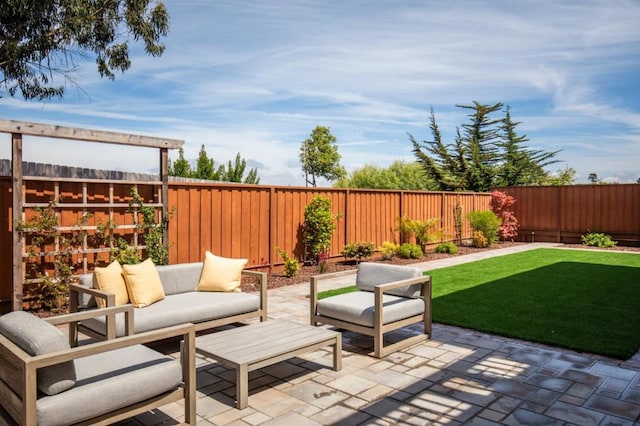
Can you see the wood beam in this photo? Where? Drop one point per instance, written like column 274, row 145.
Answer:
column 16, row 217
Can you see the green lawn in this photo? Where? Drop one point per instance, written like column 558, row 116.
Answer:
column 583, row 300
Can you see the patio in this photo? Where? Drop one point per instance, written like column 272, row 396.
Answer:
column 458, row 377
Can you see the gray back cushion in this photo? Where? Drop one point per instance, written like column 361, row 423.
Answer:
column 372, row 274
column 179, row 278
column 37, row 337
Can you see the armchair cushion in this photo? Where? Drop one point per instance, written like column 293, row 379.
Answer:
column 143, row 283
column 372, row 274
column 38, row 337
column 221, row 273
column 358, row 308
column 111, row 280
column 109, row 381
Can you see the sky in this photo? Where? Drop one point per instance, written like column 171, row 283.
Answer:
column 256, row 77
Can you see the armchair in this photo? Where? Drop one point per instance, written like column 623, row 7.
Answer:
column 44, row 381
column 389, row 297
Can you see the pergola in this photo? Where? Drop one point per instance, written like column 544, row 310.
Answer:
column 18, row 129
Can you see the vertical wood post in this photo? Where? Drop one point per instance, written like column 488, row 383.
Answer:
column 272, row 227
column 164, row 177
column 16, row 210
column 559, row 214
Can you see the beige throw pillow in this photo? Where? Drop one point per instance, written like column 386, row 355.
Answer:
column 143, row 283
column 110, row 279
column 221, row 273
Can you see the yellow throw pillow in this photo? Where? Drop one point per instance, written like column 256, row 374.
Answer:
column 110, row 279
column 221, row 273
column 143, row 283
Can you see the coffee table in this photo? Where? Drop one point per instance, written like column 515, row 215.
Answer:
column 258, row 345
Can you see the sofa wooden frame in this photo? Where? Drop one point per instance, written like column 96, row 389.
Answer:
column 18, row 369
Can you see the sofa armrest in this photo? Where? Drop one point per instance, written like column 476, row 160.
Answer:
column 76, row 289
column 262, row 280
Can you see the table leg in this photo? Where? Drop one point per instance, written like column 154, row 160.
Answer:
column 242, row 386
column 337, row 353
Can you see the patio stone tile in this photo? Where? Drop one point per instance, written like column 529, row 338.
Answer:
column 463, row 412
column 256, row 418
column 391, row 410
column 319, row 395
column 554, row 367
column 355, row 403
column 492, row 415
column 415, row 361
column 514, row 388
column 273, row 402
column 580, row 390
column 426, row 352
column 376, row 392
column 524, row 417
column 578, row 361
column 283, row 370
column 530, row 357
column 392, row 379
column 434, row 402
column 400, row 368
column 571, row 400
column 616, row 421
column 603, row 369
column 423, row 418
column 608, row 393
column 544, row 396
column 479, row 421
column 581, row 377
column 614, row 385
column 624, row 409
column 532, row 406
column 339, row 415
column 547, row 382
column 291, row 419
column 351, row 384
column 429, row 373
column 486, row 343
column 230, row 416
column 573, row 414
column 632, row 395
column 213, row 405
column 505, row 404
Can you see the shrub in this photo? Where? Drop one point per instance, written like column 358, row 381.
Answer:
column 318, row 226
column 388, row 249
column 598, row 240
column 422, row 231
column 360, row 250
column 404, row 226
column 479, row 240
column 291, row 264
column 410, row 251
column 487, row 222
column 501, row 204
column 446, row 247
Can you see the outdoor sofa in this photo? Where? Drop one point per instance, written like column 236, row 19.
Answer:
column 183, row 298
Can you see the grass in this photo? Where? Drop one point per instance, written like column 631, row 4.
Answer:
column 582, row 300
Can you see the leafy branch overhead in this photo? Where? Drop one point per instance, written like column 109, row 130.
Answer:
column 41, row 40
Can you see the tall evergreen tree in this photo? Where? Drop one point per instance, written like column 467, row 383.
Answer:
column 235, row 172
column 181, row 166
column 204, row 166
column 487, row 153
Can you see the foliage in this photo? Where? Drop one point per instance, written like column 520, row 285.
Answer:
column 593, row 178
column 319, row 156
column 359, row 250
column 404, row 226
column 152, row 231
column 479, row 240
column 388, row 249
column 457, row 221
column 181, row 167
column 598, row 240
column 318, row 226
column 399, row 175
column 42, row 39
column 486, row 222
column 422, row 231
column 486, row 153
column 566, row 176
column 446, row 247
column 502, row 204
column 45, row 239
column 410, row 251
column 291, row 264
column 205, row 169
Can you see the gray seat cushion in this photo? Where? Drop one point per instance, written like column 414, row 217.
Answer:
column 109, row 381
column 181, row 308
column 371, row 274
column 357, row 308
column 37, row 337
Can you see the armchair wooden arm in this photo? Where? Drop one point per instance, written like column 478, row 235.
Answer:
column 262, row 280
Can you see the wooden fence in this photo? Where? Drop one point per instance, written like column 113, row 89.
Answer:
column 564, row 213
column 231, row 220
